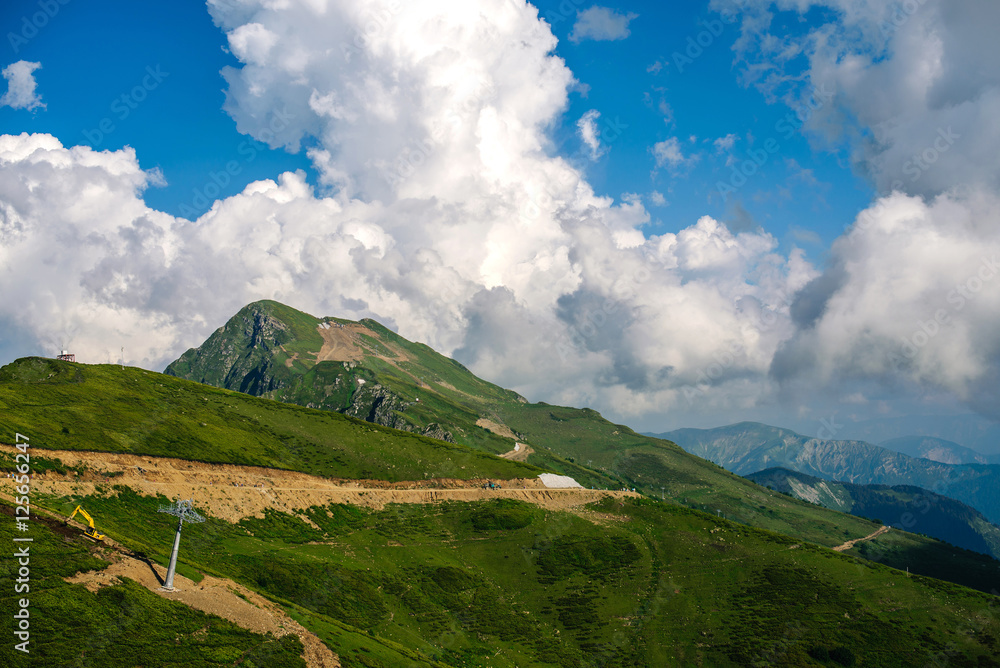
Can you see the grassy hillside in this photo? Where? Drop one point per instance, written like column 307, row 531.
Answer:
column 636, row 583
column 498, row 583
column 271, row 350
column 901, row 506
column 425, row 388
column 418, row 387
column 64, row 405
column 124, row 625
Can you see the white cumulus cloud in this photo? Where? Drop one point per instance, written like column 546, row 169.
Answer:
column 723, row 144
column 589, row 133
column 668, row 153
column 912, row 90
column 21, row 86
column 601, row 24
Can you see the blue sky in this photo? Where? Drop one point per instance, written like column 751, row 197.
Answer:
column 446, row 168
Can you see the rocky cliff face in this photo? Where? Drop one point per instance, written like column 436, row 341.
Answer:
column 374, row 403
column 248, row 355
column 238, row 355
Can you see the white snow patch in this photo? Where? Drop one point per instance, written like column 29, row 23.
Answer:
column 553, row 481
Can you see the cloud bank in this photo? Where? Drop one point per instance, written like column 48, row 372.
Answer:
column 441, row 210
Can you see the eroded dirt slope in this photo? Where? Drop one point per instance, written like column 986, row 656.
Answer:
column 234, row 492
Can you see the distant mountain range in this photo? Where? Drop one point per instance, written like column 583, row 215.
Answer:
column 749, row 447
column 900, row 506
column 938, row 450
column 970, row 430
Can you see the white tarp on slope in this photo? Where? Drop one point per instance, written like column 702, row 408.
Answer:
column 554, row 481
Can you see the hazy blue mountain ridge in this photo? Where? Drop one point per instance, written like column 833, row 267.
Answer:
column 900, row 506
column 748, row 447
column 937, row 449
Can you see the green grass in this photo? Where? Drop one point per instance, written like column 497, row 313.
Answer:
column 72, row 406
column 61, row 405
column 575, row 442
column 502, row 583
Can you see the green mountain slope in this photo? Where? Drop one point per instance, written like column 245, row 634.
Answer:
column 491, row 583
column 121, row 625
column 900, row 506
column 366, row 370
column 360, row 369
column 748, row 447
column 504, row 584
column 273, row 350
column 70, row 406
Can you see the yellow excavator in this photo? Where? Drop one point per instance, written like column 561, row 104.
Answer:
column 89, row 532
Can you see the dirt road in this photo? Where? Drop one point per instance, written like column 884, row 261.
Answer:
column 849, row 544
column 519, row 453
column 234, row 492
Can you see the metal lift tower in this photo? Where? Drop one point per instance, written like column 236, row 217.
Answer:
column 184, row 512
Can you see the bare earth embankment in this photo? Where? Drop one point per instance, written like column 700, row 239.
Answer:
column 232, row 492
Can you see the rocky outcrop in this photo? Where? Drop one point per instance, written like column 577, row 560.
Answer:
column 434, row 430
column 239, row 355
column 375, row 403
